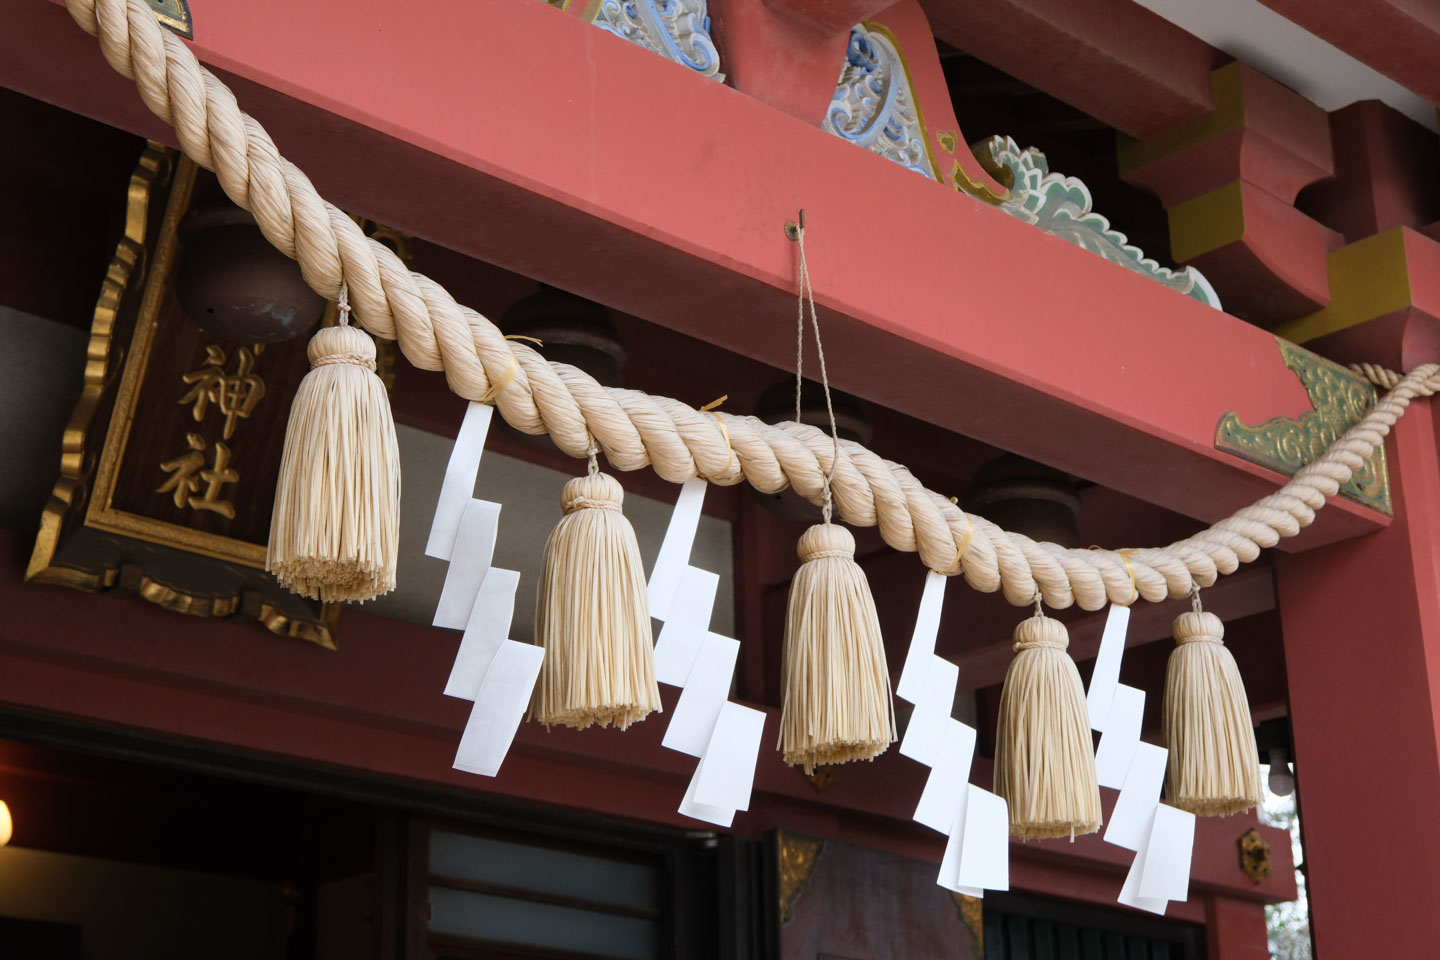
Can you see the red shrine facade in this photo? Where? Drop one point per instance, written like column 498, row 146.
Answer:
column 1096, row 267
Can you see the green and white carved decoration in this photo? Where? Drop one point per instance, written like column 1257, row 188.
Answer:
column 1340, row 399
column 1061, row 206
column 874, row 106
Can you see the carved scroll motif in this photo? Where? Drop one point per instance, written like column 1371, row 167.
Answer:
column 678, row 30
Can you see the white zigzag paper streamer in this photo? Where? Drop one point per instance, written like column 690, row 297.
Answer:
column 724, row 735
column 975, row 821
column 492, row 671
column 1162, row 837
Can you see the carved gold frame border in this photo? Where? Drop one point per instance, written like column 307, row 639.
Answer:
column 126, row 265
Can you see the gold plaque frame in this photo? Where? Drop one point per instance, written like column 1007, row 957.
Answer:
column 88, row 480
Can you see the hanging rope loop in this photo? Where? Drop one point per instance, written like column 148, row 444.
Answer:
column 806, row 294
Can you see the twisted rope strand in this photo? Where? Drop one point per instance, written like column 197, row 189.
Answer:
column 637, row 430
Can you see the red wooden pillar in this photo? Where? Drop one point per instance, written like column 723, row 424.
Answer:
column 1235, row 929
column 1362, row 651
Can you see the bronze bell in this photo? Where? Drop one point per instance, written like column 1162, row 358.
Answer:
column 234, row 285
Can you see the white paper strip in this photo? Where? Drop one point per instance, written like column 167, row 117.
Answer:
column 682, row 634
column 705, row 693
column 1121, row 736
column 1107, row 666
column 945, row 788
column 950, row 863
column 926, row 729
column 727, row 771
column 1165, row 874
column 459, row 485
column 675, row 549
column 1130, row 891
column 1130, row 820
column 701, row 811
column 499, row 704
column 985, row 847
column 922, row 641
column 474, row 548
column 489, row 626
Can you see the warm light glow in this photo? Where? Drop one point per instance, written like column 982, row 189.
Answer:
column 6, row 825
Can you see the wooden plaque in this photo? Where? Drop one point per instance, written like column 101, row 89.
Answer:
column 169, row 461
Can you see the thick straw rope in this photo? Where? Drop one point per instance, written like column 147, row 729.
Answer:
column 637, row 430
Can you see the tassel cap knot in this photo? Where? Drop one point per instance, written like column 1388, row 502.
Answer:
column 1041, row 632
column 1199, row 627
column 826, row 540
column 341, row 344
column 596, row 491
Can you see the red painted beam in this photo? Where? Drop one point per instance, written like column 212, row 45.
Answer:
column 788, row 62
column 829, row 17
column 1399, row 38
column 1236, row 930
column 1229, row 181
column 1114, row 59
column 663, row 194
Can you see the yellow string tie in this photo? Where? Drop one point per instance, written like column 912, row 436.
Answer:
column 1130, row 569
column 498, row 387
column 965, row 541
column 969, row 534
column 1124, row 555
column 724, row 431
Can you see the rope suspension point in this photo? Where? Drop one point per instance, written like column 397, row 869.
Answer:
column 836, row 703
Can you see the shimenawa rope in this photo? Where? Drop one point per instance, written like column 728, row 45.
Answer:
column 638, row 430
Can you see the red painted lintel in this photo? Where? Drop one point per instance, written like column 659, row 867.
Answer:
column 119, row 661
column 1114, row 59
column 533, row 140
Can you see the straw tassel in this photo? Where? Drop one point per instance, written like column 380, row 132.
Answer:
column 1044, row 759
column 335, row 528
column 837, row 703
column 591, row 615
column 1214, row 763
